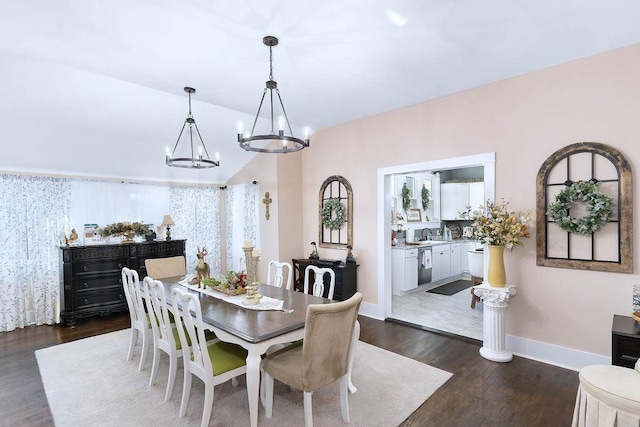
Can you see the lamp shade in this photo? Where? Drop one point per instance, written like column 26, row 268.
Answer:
column 166, row 220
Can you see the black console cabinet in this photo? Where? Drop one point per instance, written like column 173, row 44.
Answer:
column 346, row 277
column 91, row 282
column 625, row 341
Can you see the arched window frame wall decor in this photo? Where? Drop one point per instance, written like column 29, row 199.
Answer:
column 623, row 209
column 334, row 187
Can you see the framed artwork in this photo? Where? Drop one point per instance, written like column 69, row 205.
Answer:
column 414, row 215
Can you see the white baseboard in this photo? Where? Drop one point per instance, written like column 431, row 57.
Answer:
column 551, row 354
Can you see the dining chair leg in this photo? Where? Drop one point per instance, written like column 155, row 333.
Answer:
column 154, row 365
column 145, row 349
column 308, row 409
column 186, row 390
column 132, row 342
column 268, row 395
column 344, row 397
column 352, row 354
column 208, row 404
column 173, row 367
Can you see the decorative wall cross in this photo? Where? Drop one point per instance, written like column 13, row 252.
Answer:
column 267, row 201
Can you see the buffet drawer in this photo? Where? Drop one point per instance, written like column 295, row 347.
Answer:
column 98, row 298
column 89, row 283
column 85, row 267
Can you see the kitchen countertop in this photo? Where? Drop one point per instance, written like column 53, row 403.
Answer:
column 428, row 243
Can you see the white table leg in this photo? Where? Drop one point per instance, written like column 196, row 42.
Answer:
column 253, row 385
column 352, row 353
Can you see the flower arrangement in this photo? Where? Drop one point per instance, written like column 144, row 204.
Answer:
column 599, row 208
column 233, row 282
column 120, row 228
column 499, row 227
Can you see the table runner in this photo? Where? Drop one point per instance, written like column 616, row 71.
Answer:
column 265, row 303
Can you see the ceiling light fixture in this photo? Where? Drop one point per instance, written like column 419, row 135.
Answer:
column 191, row 135
column 287, row 143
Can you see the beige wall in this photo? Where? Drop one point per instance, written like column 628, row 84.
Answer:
column 524, row 120
column 280, row 176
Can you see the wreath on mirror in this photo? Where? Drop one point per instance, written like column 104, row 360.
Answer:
column 405, row 194
column 599, row 207
column 425, row 197
column 332, row 214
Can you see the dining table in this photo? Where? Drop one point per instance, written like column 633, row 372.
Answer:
column 254, row 330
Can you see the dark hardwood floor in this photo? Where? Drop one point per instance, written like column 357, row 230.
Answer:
column 480, row 393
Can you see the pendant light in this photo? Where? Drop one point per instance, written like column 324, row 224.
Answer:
column 191, row 135
column 287, row 142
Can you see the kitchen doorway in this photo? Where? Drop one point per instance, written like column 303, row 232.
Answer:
column 449, row 314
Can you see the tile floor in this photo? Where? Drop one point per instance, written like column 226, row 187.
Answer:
column 451, row 314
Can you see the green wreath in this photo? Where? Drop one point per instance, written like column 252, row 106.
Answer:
column 332, row 214
column 599, row 208
column 425, row 197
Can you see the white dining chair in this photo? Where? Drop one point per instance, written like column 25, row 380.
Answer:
column 276, row 274
column 322, row 358
column 140, row 325
column 165, row 336
column 214, row 363
column 318, row 284
column 159, row 268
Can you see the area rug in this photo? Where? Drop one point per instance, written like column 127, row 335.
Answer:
column 90, row 383
column 451, row 288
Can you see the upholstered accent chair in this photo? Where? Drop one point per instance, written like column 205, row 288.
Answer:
column 321, row 359
column 159, row 268
column 214, row 363
column 276, row 274
column 140, row 324
column 607, row 396
column 318, row 284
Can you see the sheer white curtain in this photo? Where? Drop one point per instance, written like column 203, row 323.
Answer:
column 106, row 202
column 242, row 222
column 35, row 212
column 196, row 214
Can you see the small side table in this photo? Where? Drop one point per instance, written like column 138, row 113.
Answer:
column 625, row 341
column 496, row 301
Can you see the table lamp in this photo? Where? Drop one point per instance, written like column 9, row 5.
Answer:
column 167, row 222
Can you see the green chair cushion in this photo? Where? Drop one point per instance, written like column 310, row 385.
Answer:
column 226, row 357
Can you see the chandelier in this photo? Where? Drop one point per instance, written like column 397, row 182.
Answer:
column 287, row 143
column 191, row 136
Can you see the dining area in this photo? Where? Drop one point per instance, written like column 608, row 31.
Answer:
column 301, row 339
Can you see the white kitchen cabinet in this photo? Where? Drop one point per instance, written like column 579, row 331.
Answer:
column 454, row 199
column 456, row 259
column 404, row 273
column 476, row 195
column 441, row 261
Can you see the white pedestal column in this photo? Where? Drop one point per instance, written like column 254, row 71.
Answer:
column 495, row 302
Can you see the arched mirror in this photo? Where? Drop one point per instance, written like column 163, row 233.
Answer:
column 335, row 207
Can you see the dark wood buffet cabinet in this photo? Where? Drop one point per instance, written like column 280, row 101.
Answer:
column 346, row 277
column 91, row 282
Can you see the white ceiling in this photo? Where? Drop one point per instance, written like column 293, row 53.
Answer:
column 95, row 87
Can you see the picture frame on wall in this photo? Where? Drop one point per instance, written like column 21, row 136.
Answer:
column 414, row 215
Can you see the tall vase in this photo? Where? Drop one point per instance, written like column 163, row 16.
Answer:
column 496, row 275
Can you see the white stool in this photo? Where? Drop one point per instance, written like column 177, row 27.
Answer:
column 608, row 396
